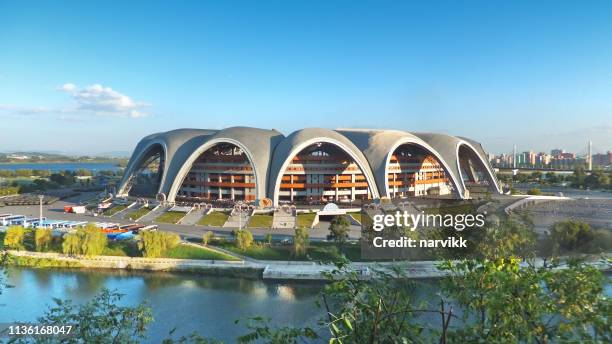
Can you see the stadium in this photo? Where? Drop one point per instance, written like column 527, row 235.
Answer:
column 308, row 167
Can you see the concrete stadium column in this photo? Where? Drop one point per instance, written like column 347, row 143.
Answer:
column 353, row 187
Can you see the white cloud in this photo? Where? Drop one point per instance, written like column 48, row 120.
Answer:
column 103, row 100
column 94, row 100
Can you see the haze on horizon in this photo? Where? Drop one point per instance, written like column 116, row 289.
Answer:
column 90, row 78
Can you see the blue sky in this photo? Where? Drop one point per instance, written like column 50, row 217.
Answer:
column 96, row 76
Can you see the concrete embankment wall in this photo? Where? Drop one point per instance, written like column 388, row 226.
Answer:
column 214, row 267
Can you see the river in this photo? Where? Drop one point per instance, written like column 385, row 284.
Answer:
column 565, row 191
column 62, row 166
column 208, row 305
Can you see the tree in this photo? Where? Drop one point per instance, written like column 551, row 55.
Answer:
column 14, row 237
column 504, row 302
column 578, row 176
column 597, row 179
column 42, row 239
column 300, row 241
column 71, row 244
column 571, row 234
column 88, row 240
column 156, row 244
column 339, row 229
column 244, row 239
column 208, row 236
column 93, row 240
column 101, row 320
column 268, row 238
column 552, row 178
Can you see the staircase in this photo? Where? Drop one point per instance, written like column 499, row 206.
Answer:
column 155, row 213
column 234, row 220
column 192, row 217
column 284, row 218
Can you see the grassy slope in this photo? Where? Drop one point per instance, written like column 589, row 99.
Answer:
column 191, row 252
column 260, row 221
column 114, row 210
column 215, row 218
column 138, row 213
column 170, row 217
column 305, row 219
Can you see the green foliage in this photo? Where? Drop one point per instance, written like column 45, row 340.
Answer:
column 381, row 310
column 534, row 191
column 514, row 236
column 300, row 241
column 101, row 320
column 207, row 237
column 244, row 239
column 88, row 240
column 9, row 190
column 268, row 238
column 14, row 237
column 506, row 303
column 43, row 238
column 571, row 234
column 71, row 244
column 339, row 229
column 260, row 331
column 154, row 244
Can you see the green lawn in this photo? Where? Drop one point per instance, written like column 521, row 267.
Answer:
column 170, row 217
column 260, row 221
column 316, row 251
column 133, row 216
column 356, row 216
column 192, row 252
column 305, row 219
column 215, row 218
column 123, row 248
column 114, row 210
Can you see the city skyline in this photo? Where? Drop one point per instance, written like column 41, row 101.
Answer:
column 533, row 74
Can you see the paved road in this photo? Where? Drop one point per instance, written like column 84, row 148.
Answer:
column 55, row 211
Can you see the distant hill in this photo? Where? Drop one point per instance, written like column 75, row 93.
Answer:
column 14, row 157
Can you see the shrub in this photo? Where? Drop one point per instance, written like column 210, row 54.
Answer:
column 42, row 239
column 244, row 239
column 534, row 192
column 156, row 244
column 300, row 241
column 208, row 236
column 571, row 234
column 339, row 228
column 14, row 237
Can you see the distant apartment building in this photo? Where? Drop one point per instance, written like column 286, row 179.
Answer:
column 602, row 159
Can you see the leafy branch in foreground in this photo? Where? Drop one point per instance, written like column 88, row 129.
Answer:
column 504, row 301
column 100, row 320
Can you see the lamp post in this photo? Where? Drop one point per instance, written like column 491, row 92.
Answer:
column 40, row 214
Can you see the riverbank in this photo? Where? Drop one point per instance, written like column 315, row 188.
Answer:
column 247, row 268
